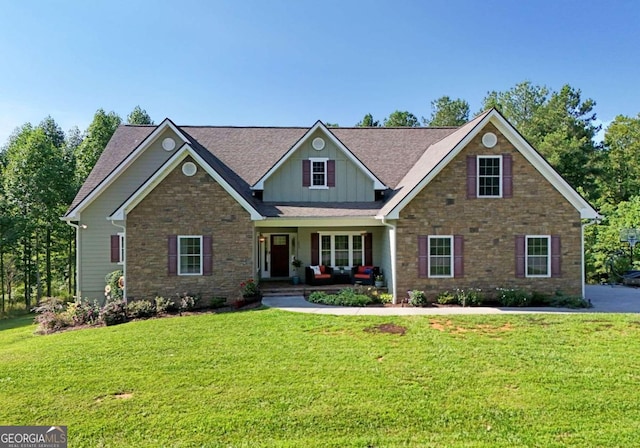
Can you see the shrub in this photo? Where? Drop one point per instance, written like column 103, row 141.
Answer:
column 469, row 297
column 164, row 305
column 447, row 298
column 562, row 301
column 540, row 299
column 418, row 298
column 187, row 302
column 113, row 289
column 513, row 297
column 83, row 312
column 346, row 297
column 114, row 312
column 217, row 302
column 385, row 297
column 249, row 288
column 140, row 309
column 50, row 317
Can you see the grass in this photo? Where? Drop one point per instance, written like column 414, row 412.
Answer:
column 271, row 378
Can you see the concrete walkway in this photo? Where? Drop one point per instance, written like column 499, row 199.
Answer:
column 605, row 299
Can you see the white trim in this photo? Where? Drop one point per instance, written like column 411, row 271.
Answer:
column 319, row 222
column 500, row 175
column 377, row 183
column 324, row 161
column 74, row 214
column 164, row 170
column 121, row 243
column 350, row 249
column 580, row 204
column 181, row 237
column 451, row 256
column 526, row 256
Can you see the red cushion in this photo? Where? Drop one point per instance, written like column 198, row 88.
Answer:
column 322, row 276
column 362, row 269
column 367, row 276
column 323, row 269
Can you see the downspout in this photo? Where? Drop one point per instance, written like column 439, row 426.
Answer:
column 124, row 259
column 584, row 270
column 392, row 248
column 78, row 276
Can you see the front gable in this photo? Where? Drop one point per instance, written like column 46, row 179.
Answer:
column 319, row 168
column 470, row 137
column 122, row 168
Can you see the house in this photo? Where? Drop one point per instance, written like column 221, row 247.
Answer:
column 201, row 209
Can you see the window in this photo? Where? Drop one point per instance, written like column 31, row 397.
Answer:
column 538, row 259
column 440, row 256
column 342, row 249
column 189, row 255
column 489, row 176
column 318, row 172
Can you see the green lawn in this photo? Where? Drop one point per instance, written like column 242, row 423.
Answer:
column 271, row 378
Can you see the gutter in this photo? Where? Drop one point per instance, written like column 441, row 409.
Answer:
column 392, row 243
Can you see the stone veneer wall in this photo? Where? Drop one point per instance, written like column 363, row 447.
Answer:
column 489, row 227
column 182, row 205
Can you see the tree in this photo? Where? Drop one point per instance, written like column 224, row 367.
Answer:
column 621, row 168
column 448, row 112
column 96, row 138
column 558, row 124
column 368, row 122
column 401, row 119
column 139, row 116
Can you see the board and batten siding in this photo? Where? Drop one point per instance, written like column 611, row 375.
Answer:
column 95, row 249
column 352, row 184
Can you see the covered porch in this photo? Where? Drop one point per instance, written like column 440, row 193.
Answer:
column 339, row 244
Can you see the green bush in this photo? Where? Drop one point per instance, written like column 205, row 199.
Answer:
column 114, row 312
column 447, row 298
column 217, row 302
column 112, row 289
column 418, row 298
column 50, row 316
column 385, row 297
column 164, row 305
column 140, row 309
column 187, row 302
column 469, row 297
column 346, row 297
column 562, row 301
column 83, row 312
column 513, row 297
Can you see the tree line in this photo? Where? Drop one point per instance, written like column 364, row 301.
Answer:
column 42, row 169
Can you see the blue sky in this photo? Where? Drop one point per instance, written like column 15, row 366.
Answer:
column 289, row 63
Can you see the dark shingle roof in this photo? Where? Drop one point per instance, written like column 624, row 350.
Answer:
column 242, row 155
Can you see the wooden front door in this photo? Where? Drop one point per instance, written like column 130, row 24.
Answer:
column 279, row 255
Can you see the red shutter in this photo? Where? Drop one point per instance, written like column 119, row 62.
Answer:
column 423, row 256
column 207, row 256
column 315, row 249
column 115, row 249
column 471, row 177
column 556, row 256
column 458, row 253
column 520, row 254
column 507, row 176
column 368, row 249
column 306, row 173
column 173, row 255
column 331, row 173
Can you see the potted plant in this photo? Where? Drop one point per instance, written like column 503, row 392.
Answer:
column 296, row 265
column 379, row 281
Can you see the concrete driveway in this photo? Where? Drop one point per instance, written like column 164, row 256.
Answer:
column 605, row 299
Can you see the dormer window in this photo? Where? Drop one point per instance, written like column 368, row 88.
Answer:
column 318, row 173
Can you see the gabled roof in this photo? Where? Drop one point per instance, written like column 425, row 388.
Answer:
column 377, row 184
column 121, row 151
column 162, row 172
column 437, row 156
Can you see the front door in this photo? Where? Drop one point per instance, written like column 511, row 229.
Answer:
column 279, row 255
